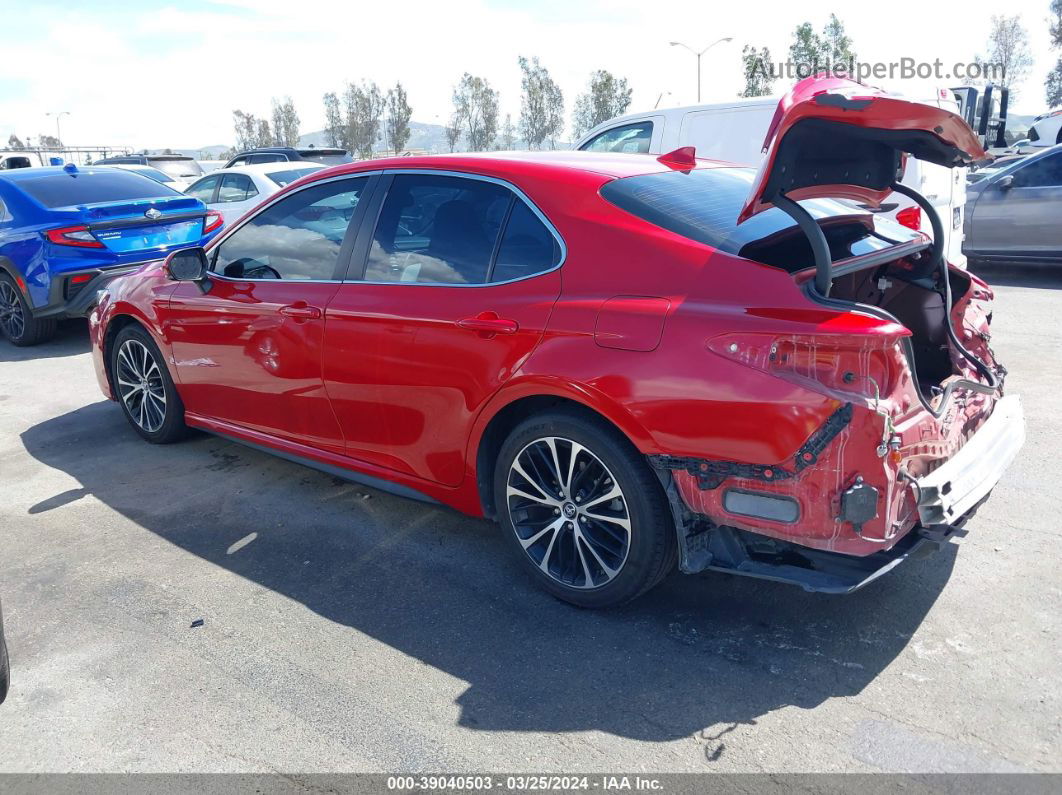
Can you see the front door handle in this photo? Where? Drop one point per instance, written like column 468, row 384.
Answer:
column 301, row 311
column 489, row 324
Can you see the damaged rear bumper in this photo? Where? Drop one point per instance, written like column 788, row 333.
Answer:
column 951, row 490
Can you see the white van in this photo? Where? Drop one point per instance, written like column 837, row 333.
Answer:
column 734, row 131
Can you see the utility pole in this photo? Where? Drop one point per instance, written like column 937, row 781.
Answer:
column 699, row 54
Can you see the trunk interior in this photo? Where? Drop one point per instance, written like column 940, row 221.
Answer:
column 917, row 306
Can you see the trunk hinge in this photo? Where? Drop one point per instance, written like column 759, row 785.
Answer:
column 819, row 247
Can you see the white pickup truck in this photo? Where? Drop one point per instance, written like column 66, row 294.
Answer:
column 734, row 131
column 10, row 158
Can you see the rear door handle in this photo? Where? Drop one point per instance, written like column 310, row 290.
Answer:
column 301, row 311
column 488, row 323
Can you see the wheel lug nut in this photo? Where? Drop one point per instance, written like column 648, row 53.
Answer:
column 556, row 511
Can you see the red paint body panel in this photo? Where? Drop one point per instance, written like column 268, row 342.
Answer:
column 637, row 325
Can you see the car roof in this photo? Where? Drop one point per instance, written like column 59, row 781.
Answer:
column 268, row 168
column 608, row 164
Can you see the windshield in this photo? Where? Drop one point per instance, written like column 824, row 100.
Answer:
column 92, row 187
column 282, row 178
column 703, row 205
column 177, row 167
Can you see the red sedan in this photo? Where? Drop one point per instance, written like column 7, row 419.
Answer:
column 593, row 351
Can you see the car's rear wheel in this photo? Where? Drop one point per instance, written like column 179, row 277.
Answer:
column 16, row 321
column 587, row 516
column 144, row 388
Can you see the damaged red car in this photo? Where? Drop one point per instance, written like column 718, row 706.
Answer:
column 631, row 363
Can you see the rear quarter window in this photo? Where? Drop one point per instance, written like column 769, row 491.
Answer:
column 92, row 187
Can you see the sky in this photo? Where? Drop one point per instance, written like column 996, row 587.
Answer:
column 169, row 74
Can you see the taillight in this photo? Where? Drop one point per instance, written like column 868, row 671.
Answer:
column 212, row 221
column 73, row 236
column 911, row 217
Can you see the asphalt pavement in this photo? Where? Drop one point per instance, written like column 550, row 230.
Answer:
column 343, row 629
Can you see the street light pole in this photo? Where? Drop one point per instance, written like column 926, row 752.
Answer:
column 699, row 54
column 58, row 115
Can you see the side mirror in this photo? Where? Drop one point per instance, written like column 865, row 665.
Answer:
column 1006, row 183
column 189, row 265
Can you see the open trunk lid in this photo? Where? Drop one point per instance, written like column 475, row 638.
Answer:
column 833, row 137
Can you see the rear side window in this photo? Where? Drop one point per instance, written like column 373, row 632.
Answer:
column 16, row 162
column 236, row 188
column 92, row 187
column 527, row 246
column 703, row 205
column 630, row 138
column 437, row 230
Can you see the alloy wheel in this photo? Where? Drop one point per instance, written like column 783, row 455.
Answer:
column 140, row 385
column 11, row 318
column 569, row 513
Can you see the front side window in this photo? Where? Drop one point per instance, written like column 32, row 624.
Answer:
column 630, row 138
column 236, row 188
column 204, row 189
column 297, row 238
column 437, row 230
column 1043, row 173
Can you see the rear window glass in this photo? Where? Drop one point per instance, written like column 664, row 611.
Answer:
column 329, row 159
column 181, row 168
column 92, row 187
column 282, row 178
column 703, row 205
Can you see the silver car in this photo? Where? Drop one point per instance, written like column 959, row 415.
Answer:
column 1014, row 213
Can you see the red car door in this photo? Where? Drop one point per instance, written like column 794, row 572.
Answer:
column 448, row 296
column 248, row 347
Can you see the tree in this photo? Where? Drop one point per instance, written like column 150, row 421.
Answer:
column 606, row 97
column 453, row 132
column 759, row 77
column 48, row 142
column 541, row 105
column 334, row 127
column 285, row 123
column 265, row 135
column 1053, row 84
column 364, row 109
column 476, row 111
column 1008, row 52
column 14, row 142
column 396, row 128
column 811, row 53
column 508, row 134
column 246, row 127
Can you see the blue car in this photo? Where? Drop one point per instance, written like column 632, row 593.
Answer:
column 67, row 231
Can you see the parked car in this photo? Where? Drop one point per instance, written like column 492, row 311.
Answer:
column 735, row 372
column 152, row 173
column 22, row 159
column 1015, row 211
column 1046, row 130
column 65, row 232
column 234, row 191
column 282, row 154
column 734, row 131
column 210, row 165
column 180, row 167
column 5, row 661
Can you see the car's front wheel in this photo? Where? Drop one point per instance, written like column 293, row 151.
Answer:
column 16, row 321
column 587, row 516
column 144, row 388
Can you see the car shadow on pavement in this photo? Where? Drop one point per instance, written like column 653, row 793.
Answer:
column 71, row 339
column 1046, row 276
column 695, row 657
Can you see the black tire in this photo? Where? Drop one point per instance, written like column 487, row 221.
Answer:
column 578, row 574
column 17, row 322
column 132, row 353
